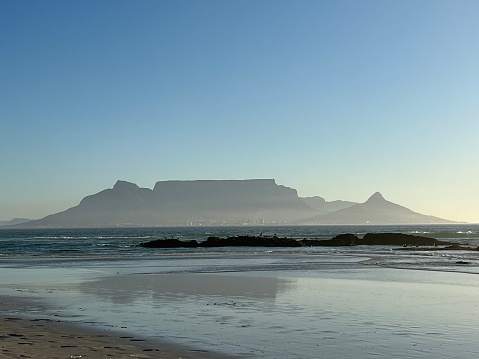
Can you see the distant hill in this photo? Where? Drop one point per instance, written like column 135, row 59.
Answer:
column 321, row 206
column 376, row 210
column 218, row 202
column 14, row 222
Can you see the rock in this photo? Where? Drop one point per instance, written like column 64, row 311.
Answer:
column 239, row 241
column 169, row 243
column 407, row 241
column 370, row 239
column 399, row 239
column 250, row 241
column 347, row 239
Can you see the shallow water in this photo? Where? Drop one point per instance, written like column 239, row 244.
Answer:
column 254, row 302
column 265, row 305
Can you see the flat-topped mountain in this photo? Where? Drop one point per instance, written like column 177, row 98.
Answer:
column 222, row 202
column 376, row 210
column 175, row 203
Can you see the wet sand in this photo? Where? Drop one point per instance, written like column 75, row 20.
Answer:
column 44, row 338
column 251, row 306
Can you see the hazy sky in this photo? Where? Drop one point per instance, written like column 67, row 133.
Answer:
column 334, row 98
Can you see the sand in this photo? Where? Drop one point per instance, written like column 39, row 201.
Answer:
column 44, row 338
column 253, row 306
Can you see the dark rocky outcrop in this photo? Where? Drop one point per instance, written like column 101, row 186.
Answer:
column 170, row 243
column 399, row 239
column 380, row 239
column 250, row 241
column 348, row 239
column 238, row 241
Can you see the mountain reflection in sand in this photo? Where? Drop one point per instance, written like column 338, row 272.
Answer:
column 129, row 288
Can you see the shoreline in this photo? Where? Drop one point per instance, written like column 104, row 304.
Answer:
column 256, row 305
column 37, row 337
column 32, row 328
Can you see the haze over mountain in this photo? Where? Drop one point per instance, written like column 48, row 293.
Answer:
column 222, row 202
column 14, row 222
column 376, row 210
column 185, row 203
column 321, row 206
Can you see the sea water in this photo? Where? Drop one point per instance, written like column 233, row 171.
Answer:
column 117, row 243
column 314, row 302
column 124, row 241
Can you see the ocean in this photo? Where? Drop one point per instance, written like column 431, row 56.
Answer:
column 252, row 302
column 74, row 244
column 124, row 241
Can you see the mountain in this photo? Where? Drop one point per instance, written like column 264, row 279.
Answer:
column 376, row 210
column 222, row 202
column 175, row 203
column 14, row 222
column 321, row 206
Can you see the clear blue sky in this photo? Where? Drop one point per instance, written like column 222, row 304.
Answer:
column 334, row 98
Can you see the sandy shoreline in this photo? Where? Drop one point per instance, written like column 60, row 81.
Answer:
column 270, row 305
column 44, row 338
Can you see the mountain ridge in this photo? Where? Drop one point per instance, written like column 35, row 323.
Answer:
column 375, row 210
column 14, row 222
column 222, row 202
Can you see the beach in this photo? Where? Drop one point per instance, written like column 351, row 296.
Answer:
column 237, row 302
column 288, row 307
column 44, row 338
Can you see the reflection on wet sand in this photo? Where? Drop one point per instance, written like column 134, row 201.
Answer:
column 274, row 306
column 129, row 288
column 365, row 312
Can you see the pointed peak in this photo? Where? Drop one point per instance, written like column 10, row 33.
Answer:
column 376, row 197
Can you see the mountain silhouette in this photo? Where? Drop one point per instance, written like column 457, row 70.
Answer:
column 222, row 202
column 14, row 222
column 176, row 203
column 321, row 206
column 376, row 210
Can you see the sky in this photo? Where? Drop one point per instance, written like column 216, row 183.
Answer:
column 338, row 98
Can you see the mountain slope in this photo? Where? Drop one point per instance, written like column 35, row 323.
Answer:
column 376, row 210
column 184, row 202
column 321, row 206
column 14, row 222
column 230, row 202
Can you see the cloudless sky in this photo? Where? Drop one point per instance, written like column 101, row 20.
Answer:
column 334, row 98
